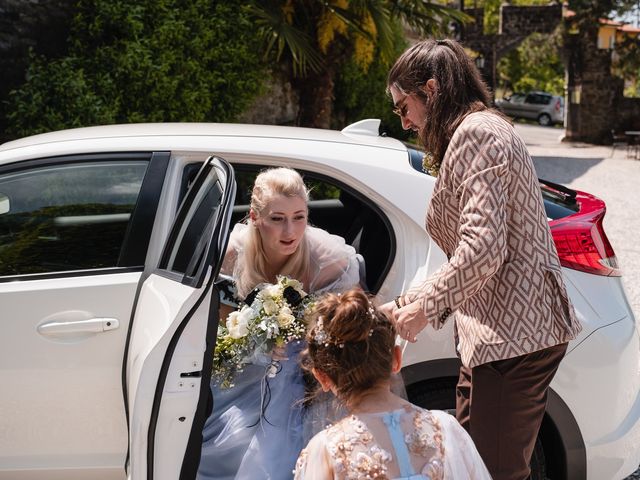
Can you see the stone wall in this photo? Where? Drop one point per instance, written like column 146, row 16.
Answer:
column 518, row 21
column 626, row 114
column 595, row 97
column 516, row 24
column 278, row 105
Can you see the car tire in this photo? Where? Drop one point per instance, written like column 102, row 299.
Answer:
column 544, row 119
column 441, row 395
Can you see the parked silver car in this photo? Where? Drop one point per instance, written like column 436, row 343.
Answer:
column 547, row 109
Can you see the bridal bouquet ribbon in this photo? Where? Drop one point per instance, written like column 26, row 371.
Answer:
column 272, row 316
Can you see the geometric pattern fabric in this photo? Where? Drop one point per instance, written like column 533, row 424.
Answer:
column 503, row 281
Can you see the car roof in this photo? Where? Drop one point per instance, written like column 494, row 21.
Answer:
column 140, row 130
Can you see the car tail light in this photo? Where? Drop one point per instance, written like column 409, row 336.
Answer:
column 580, row 239
column 557, row 107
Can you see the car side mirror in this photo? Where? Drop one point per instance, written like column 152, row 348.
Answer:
column 5, row 205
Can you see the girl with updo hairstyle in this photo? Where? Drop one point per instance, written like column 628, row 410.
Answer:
column 352, row 353
column 256, row 427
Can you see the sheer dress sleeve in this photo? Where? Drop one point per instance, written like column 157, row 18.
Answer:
column 314, row 461
column 334, row 264
column 462, row 460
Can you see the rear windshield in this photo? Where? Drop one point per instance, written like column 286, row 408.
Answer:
column 556, row 206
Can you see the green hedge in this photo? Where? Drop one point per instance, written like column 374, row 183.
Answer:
column 143, row 61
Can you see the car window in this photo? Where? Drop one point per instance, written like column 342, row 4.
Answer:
column 322, row 194
column 67, row 217
column 196, row 221
column 538, row 99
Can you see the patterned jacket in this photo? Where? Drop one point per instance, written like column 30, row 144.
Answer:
column 503, row 279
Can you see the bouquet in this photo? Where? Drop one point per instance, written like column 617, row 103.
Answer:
column 272, row 316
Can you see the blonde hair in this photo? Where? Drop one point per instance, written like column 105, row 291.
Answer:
column 269, row 183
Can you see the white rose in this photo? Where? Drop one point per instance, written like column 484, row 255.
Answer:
column 237, row 322
column 247, row 315
column 270, row 307
column 285, row 317
column 271, row 291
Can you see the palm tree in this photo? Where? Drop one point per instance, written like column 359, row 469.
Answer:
column 312, row 39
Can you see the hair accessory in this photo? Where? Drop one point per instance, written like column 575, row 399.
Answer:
column 321, row 337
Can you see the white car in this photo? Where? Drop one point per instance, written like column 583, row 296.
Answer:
column 110, row 242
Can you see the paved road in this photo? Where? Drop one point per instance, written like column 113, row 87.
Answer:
column 611, row 176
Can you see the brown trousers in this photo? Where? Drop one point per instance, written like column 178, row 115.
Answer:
column 501, row 404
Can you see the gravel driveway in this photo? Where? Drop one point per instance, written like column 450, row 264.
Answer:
column 610, row 175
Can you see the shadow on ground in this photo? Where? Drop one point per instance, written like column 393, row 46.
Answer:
column 563, row 170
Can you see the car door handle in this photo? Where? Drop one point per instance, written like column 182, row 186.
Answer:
column 92, row 325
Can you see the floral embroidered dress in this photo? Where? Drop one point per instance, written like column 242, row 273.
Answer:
column 258, row 427
column 410, row 443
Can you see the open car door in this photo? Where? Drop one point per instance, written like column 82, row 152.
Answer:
column 169, row 353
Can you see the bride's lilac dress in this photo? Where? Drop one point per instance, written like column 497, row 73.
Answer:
column 259, row 426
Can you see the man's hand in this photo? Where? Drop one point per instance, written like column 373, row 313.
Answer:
column 389, row 309
column 410, row 320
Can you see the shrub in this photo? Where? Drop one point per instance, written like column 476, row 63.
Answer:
column 143, row 61
column 360, row 93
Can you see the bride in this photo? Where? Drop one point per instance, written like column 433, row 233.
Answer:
column 256, row 427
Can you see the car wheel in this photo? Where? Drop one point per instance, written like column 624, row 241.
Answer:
column 544, row 120
column 441, row 395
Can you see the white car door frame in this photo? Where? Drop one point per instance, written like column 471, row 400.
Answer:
column 170, row 344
